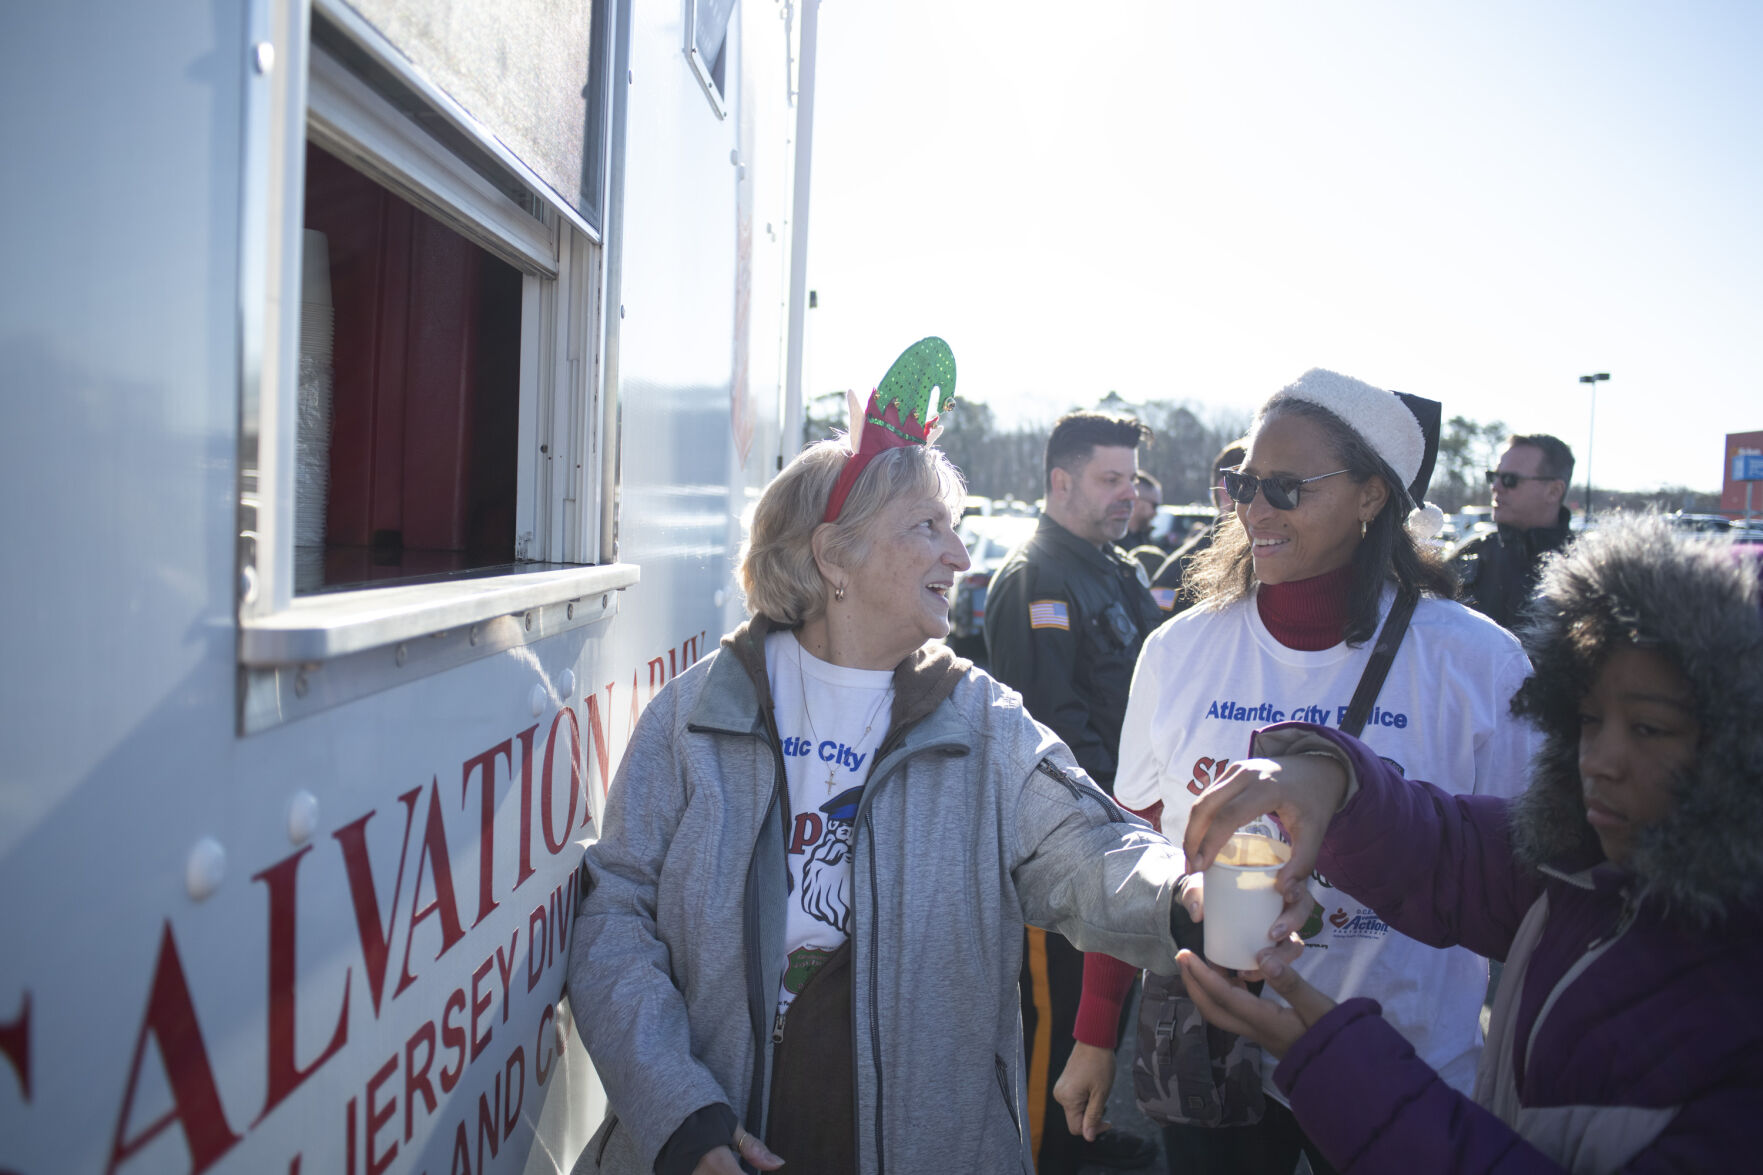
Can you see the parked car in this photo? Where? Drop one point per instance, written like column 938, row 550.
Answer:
column 1172, row 525
column 1471, row 521
column 1706, row 523
column 990, row 538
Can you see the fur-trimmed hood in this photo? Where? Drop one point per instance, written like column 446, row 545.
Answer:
column 1639, row 581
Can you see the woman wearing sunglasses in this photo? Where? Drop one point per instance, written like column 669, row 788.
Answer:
column 1293, row 597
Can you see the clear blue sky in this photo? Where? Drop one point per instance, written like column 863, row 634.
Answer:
column 1475, row 202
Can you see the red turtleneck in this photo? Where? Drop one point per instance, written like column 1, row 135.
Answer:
column 1310, row 614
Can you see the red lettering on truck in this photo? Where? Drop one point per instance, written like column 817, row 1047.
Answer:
column 170, row 1019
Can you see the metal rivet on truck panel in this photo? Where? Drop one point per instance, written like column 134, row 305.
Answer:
column 302, row 817
column 566, row 683
column 539, row 698
column 205, row 869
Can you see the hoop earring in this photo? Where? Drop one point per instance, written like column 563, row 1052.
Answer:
column 839, row 592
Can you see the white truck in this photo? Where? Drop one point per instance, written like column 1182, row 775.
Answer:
column 385, row 382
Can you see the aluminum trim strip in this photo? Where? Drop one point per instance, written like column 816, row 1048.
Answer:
column 324, row 627
column 612, row 277
column 351, row 121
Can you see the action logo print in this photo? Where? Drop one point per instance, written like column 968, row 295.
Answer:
column 1364, row 924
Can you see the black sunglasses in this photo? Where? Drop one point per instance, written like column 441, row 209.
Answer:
column 1511, row 480
column 1281, row 492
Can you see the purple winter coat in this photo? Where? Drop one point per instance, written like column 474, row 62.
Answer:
column 1657, row 1040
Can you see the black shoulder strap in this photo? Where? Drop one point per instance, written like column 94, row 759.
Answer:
column 1383, row 654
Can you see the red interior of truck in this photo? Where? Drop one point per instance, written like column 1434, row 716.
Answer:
column 426, row 374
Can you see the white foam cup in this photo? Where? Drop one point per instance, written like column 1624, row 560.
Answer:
column 1242, row 900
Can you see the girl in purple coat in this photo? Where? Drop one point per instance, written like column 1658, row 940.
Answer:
column 1624, row 890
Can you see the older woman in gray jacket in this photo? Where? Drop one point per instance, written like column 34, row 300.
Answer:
column 806, row 908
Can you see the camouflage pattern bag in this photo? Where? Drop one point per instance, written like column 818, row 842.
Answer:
column 1188, row 1073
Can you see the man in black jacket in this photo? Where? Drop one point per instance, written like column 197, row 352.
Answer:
column 1169, row 577
column 1499, row 571
column 1065, row 616
column 1149, row 496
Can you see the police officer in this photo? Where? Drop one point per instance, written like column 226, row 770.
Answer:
column 1068, row 610
column 1065, row 616
column 1499, row 571
column 1139, row 541
column 1169, row 576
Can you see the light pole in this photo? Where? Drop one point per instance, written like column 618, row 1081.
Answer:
column 1592, row 381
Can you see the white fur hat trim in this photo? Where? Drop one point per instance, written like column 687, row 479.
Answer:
column 1378, row 416
column 1425, row 522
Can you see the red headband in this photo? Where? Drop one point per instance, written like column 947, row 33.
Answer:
column 899, row 412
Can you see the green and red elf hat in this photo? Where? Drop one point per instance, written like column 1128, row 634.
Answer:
column 917, row 389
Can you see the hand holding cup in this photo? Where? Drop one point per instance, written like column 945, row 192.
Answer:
column 1226, row 1003
column 1304, row 791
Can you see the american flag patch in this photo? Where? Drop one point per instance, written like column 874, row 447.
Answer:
column 1048, row 614
column 1165, row 598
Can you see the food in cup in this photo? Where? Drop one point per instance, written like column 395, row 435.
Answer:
column 1242, row 899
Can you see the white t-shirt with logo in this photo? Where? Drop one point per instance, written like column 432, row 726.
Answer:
column 1207, row 679
column 831, row 720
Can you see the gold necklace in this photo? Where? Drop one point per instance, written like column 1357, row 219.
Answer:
column 832, row 772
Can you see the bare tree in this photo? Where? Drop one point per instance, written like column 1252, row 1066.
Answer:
column 1467, row 450
column 1185, row 445
column 824, row 415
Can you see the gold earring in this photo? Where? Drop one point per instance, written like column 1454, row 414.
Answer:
column 1362, row 528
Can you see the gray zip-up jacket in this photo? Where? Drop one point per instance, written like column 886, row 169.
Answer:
column 975, row 821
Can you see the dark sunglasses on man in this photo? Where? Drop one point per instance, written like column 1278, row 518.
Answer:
column 1281, row 492
column 1511, row 480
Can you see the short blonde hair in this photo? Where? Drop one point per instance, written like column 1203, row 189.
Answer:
column 777, row 571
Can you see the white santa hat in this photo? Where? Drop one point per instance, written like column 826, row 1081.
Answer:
column 1400, row 428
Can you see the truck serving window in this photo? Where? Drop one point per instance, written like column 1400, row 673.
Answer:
column 409, row 403
column 429, row 441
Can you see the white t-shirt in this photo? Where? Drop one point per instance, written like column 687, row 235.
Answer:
column 1207, row 679
column 831, row 720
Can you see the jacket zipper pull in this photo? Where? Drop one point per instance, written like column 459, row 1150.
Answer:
column 777, row 1029
column 1625, row 916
